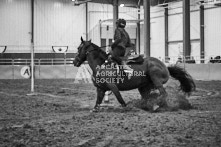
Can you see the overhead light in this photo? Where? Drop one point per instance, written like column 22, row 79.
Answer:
column 77, row 3
column 122, row 5
column 128, row 5
column 162, row 5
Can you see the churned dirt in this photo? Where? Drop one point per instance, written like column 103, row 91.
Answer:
column 58, row 115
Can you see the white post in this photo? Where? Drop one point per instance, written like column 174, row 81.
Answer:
column 32, row 68
column 32, row 47
column 106, row 99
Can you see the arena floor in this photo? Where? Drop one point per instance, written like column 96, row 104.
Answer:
column 59, row 115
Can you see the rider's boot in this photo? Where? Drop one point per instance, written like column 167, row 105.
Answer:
column 127, row 69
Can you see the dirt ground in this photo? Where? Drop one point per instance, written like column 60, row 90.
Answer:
column 59, row 115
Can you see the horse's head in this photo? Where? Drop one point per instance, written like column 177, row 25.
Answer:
column 82, row 52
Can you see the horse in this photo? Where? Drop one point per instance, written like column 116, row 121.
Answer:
column 107, row 76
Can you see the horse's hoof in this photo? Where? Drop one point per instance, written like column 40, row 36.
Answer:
column 95, row 110
column 124, row 105
column 155, row 108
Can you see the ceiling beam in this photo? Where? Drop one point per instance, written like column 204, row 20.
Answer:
column 132, row 2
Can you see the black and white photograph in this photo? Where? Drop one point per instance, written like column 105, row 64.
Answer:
column 110, row 73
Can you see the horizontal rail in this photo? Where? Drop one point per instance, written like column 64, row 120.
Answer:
column 69, row 61
column 42, row 61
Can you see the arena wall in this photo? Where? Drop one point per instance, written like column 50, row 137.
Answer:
column 197, row 71
column 60, row 23
column 56, row 23
column 15, row 26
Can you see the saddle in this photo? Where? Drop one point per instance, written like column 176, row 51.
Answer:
column 133, row 59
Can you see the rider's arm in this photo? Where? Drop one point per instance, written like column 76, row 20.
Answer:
column 129, row 44
column 117, row 38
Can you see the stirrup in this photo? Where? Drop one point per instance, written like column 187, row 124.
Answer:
column 130, row 73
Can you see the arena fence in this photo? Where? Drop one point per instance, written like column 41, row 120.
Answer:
column 64, row 69
column 57, row 68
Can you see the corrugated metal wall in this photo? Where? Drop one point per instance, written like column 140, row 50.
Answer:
column 103, row 12
column 157, row 37
column 213, row 32
column 15, row 25
column 58, row 23
column 97, row 13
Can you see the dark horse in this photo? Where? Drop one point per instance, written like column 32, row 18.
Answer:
column 150, row 74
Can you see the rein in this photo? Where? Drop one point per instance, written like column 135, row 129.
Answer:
column 105, row 46
column 90, row 51
column 95, row 48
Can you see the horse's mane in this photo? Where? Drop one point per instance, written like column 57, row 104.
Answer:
column 100, row 50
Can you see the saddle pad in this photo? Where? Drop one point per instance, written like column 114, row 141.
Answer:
column 137, row 60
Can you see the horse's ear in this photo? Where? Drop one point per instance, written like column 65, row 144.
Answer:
column 90, row 40
column 82, row 39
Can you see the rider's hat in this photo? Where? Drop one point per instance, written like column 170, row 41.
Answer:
column 121, row 23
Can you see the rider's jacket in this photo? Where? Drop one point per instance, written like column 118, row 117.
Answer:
column 121, row 38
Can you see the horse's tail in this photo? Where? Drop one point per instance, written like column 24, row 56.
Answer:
column 186, row 81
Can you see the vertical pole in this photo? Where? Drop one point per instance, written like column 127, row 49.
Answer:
column 166, row 31
column 202, row 50
column 106, row 98
column 115, row 17
column 107, row 39
column 146, row 4
column 138, row 31
column 115, row 13
column 32, row 44
column 100, row 29
column 186, row 29
column 86, row 5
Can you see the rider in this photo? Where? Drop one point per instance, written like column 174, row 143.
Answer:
column 121, row 42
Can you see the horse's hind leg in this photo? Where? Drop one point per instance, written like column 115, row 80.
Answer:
column 144, row 91
column 158, row 83
column 100, row 96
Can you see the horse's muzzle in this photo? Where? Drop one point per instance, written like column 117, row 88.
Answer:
column 76, row 62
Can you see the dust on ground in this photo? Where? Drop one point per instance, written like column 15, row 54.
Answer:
column 59, row 115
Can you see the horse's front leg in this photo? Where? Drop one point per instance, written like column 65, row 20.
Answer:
column 116, row 92
column 100, row 96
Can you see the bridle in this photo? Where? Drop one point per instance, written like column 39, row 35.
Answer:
column 85, row 45
column 79, row 60
column 95, row 48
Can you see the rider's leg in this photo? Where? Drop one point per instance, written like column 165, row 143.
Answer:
column 118, row 52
